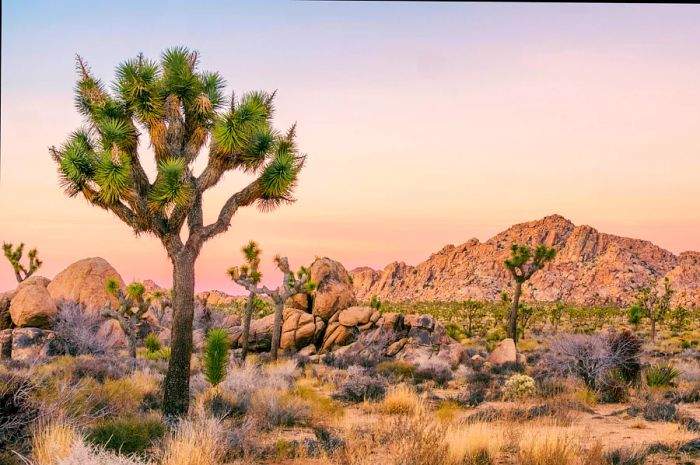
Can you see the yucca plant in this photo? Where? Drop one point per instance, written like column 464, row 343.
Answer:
column 151, row 343
column 248, row 277
column 661, row 375
column 215, row 357
column 522, row 264
column 182, row 110
column 131, row 309
column 14, row 256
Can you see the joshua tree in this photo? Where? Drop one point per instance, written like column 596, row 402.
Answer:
column 164, row 299
column 522, row 264
column 291, row 284
column 14, row 256
column 556, row 311
column 132, row 308
column 653, row 304
column 182, row 110
column 473, row 311
column 251, row 253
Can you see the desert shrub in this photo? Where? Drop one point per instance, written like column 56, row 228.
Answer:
column 272, row 408
column 471, row 397
column 127, row 435
column 435, row 370
column 16, row 409
column 474, row 444
column 592, row 357
column 401, row 400
column 415, row 440
column 655, row 411
column 358, row 386
column 507, row 368
column 396, row 370
column 613, row 388
column 551, row 387
column 547, row 446
column 215, row 356
column 158, row 355
column 151, row 343
column 519, row 387
column 100, row 368
column 77, row 330
column 625, row 456
column 447, row 410
column 200, row 441
column 661, row 375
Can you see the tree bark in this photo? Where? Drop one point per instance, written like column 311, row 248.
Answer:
column 513, row 320
column 246, row 323
column 132, row 343
column 177, row 379
column 653, row 329
column 277, row 328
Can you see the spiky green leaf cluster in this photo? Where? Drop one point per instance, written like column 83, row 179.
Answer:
column 113, row 176
column 112, row 286
column 135, row 290
column 170, row 188
column 215, row 358
column 523, row 263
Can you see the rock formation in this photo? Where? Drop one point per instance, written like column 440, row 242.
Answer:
column 590, row 268
column 84, row 282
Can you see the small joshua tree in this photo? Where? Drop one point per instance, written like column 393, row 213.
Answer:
column 291, row 284
column 14, row 256
column 252, row 258
column 653, row 304
column 132, row 308
column 522, row 264
column 164, row 299
column 473, row 312
column 215, row 357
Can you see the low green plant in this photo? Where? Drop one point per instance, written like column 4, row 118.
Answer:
column 127, row 435
column 661, row 375
column 215, row 358
column 152, row 343
column 162, row 354
column 399, row 370
column 519, row 387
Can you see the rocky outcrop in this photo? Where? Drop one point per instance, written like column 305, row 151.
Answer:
column 299, row 329
column 415, row 339
column 32, row 306
column 590, row 268
column 334, row 291
column 345, row 325
column 84, row 282
column 32, row 343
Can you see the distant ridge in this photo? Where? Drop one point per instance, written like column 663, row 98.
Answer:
column 590, row 268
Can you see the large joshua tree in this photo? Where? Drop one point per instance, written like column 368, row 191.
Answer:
column 183, row 111
column 522, row 264
column 248, row 277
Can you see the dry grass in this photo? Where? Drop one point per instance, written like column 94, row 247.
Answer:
column 401, row 400
column 195, row 442
column 475, row 444
column 53, row 442
column 547, row 445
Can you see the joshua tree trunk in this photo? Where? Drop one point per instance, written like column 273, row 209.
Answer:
column 246, row 323
column 132, row 343
column 653, row 329
column 177, row 380
column 513, row 320
column 277, row 328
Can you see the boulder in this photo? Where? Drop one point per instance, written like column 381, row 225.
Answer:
column 260, row 336
column 32, row 343
column 338, row 335
column 33, row 306
column 5, row 318
column 32, row 281
column 357, row 316
column 299, row 329
column 334, row 291
column 84, row 282
column 308, row 351
column 505, row 352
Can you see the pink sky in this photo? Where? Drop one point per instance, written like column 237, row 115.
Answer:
column 419, row 133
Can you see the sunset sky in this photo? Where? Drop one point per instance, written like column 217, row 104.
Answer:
column 424, row 124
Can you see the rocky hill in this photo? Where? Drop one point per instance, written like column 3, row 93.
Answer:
column 590, row 268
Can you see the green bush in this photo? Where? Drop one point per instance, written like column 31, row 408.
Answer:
column 127, row 435
column 151, row 343
column 398, row 370
column 661, row 375
column 162, row 354
column 519, row 387
column 215, row 357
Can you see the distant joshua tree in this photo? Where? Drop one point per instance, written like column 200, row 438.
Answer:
column 130, row 311
column 182, row 110
column 522, row 264
column 251, row 253
column 14, row 256
column 653, row 304
column 473, row 312
column 249, row 277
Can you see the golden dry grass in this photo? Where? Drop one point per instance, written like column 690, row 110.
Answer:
column 475, row 444
column 52, row 442
column 195, row 442
column 401, row 400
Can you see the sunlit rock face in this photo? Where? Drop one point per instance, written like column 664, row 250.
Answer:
column 590, row 268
